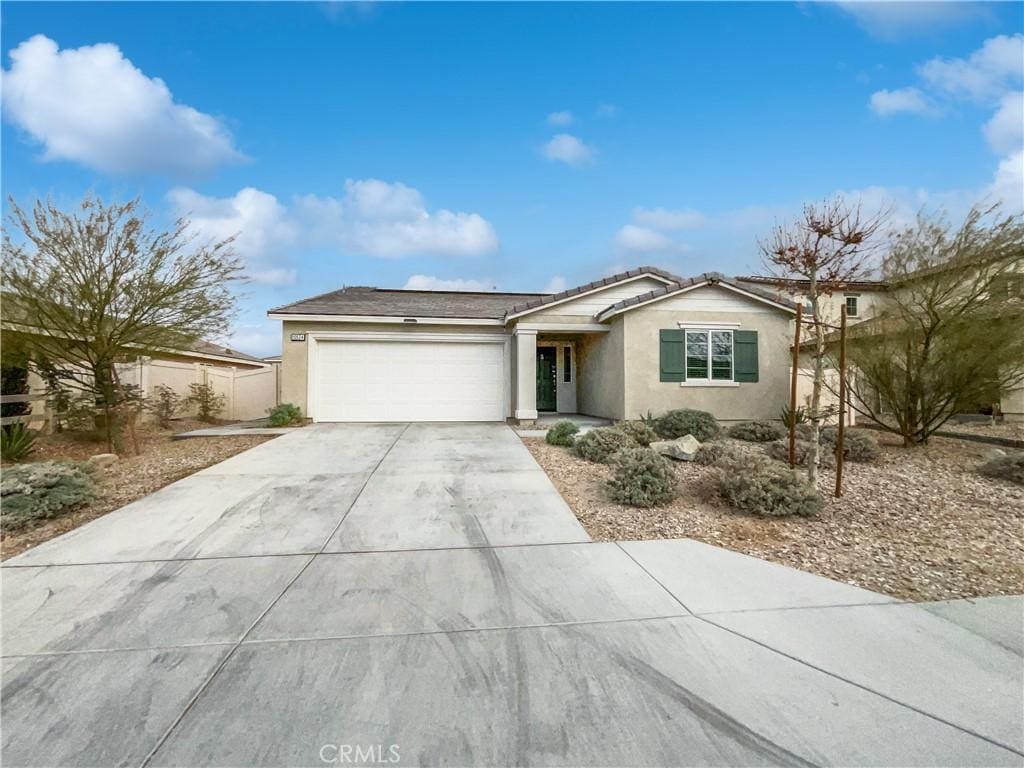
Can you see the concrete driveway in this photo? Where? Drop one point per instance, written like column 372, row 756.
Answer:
column 420, row 594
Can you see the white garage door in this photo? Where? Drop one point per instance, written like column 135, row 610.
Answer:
column 409, row 381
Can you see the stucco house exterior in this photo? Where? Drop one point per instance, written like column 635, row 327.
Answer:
column 642, row 340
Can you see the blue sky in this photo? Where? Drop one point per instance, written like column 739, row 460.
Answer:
column 522, row 146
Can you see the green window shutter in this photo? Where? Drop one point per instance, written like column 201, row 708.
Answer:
column 745, row 353
column 673, row 355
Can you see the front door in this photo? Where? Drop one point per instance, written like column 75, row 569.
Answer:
column 547, row 379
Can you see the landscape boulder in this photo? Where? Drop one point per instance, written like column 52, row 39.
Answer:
column 681, row 449
column 102, row 460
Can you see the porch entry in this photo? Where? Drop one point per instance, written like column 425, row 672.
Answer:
column 547, row 379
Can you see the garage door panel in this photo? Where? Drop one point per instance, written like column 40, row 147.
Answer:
column 410, row 381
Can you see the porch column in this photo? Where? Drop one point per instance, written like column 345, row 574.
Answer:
column 526, row 374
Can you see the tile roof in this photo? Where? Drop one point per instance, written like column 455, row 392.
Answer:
column 207, row 348
column 775, row 282
column 685, row 283
column 610, row 280
column 386, row 302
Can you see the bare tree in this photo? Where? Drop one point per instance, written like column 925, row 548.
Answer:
column 831, row 244
column 951, row 333
column 90, row 286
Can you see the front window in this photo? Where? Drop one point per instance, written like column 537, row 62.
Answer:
column 851, row 306
column 709, row 355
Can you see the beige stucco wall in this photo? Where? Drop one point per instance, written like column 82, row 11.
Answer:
column 294, row 354
column 756, row 400
column 600, row 372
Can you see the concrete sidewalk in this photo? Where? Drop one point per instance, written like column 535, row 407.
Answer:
column 422, row 591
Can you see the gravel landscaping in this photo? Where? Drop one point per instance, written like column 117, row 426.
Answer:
column 162, row 461
column 917, row 524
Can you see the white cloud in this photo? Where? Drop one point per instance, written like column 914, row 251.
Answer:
column 1005, row 131
column 92, row 106
column 910, row 100
column 643, row 240
column 1008, row 183
column 378, row 218
column 567, row 149
column 263, row 229
column 556, row 284
column 988, row 72
column 431, row 283
column 372, row 218
column 668, row 220
column 898, row 19
column 259, row 339
column 560, row 118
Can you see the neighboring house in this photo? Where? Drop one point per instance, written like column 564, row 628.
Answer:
column 639, row 341
column 862, row 298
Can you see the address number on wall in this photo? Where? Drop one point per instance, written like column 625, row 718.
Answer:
column 298, row 337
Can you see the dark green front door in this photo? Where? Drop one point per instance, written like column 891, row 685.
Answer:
column 547, row 377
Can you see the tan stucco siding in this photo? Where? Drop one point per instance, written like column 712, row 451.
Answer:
column 583, row 308
column 600, row 373
column 295, row 354
column 755, row 400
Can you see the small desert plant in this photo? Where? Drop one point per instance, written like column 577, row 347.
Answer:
column 206, row 402
column 163, row 404
column 641, row 478
column 1009, row 467
column 756, row 431
column 788, row 416
column 650, row 420
column 858, row 444
column 36, row 492
column 79, row 414
column 686, row 421
column 715, row 452
column 600, row 444
column 641, row 432
column 779, row 450
column 561, row 433
column 767, row 488
column 16, row 442
column 284, row 415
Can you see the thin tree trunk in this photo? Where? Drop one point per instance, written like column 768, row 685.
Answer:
column 814, row 455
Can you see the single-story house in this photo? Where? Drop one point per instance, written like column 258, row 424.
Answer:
column 642, row 340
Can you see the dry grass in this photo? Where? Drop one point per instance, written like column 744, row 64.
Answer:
column 918, row 524
column 162, row 461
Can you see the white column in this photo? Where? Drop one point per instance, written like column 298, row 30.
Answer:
column 526, row 374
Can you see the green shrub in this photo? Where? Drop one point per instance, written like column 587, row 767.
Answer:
column 32, row 493
column 757, row 431
column 641, row 478
column 561, row 433
column 16, row 442
column 600, row 444
column 641, row 432
column 206, row 401
column 715, row 452
column 767, row 488
column 284, row 415
column 685, row 421
column 780, row 450
column 163, row 404
column 1009, row 467
column 858, row 444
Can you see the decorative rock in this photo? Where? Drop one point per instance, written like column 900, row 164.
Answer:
column 102, row 460
column 992, row 453
column 681, row 449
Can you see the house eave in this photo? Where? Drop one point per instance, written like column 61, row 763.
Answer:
column 390, row 319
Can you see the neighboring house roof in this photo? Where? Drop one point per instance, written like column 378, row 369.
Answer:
column 688, row 284
column 207, row 349
column 387, row 302
column 775, row 282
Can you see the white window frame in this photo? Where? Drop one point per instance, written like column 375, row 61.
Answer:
column 707, row 330
column 846, row 303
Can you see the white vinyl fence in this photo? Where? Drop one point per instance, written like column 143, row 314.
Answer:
column 248, row 393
